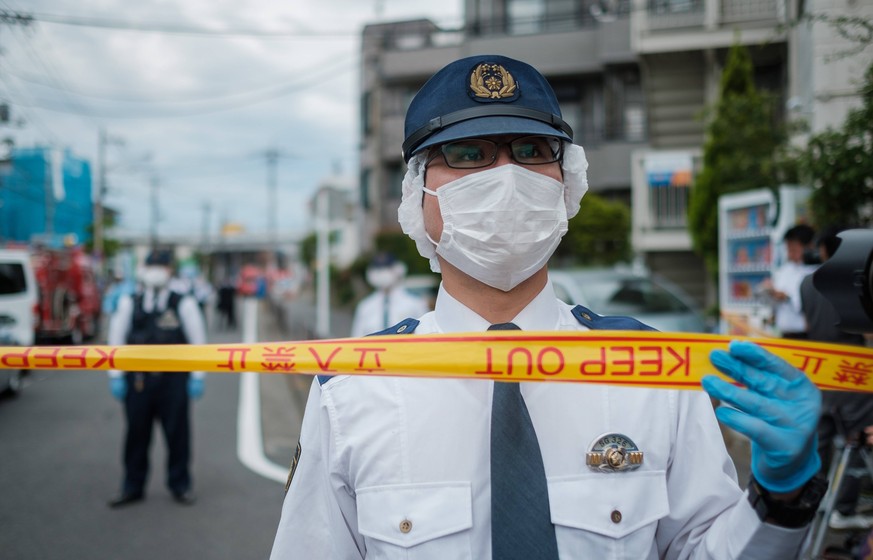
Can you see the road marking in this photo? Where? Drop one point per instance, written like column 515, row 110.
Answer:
column 250, row 437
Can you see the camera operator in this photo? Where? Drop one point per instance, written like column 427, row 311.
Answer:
column 843, row 413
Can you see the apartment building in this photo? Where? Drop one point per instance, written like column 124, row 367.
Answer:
column 632, row 77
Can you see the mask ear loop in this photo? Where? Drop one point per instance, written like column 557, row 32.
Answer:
column 426, row 190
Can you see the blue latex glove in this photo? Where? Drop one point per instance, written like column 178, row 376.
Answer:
column 778, row 412
column 195, row 388
column 118, row 387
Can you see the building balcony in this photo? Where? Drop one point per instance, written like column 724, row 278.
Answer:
column 676, row 25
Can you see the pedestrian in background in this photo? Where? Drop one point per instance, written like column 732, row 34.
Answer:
column 784, row 287
column 226, row 304
column 843, row 413
column 156, row 315
column 395, row 467
column 390, row 302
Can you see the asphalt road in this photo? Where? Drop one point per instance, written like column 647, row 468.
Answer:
column 60, row 461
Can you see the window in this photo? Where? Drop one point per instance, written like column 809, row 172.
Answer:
column 524, row 16
column 365, row 189
column 581, row 104
column 12, row 279
column 366, row 116
column 396, row 100
column 394, row 182
column 623, row 105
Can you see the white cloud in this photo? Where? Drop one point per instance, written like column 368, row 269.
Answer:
column 161, row 93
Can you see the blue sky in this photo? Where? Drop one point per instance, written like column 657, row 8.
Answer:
column 195, row 112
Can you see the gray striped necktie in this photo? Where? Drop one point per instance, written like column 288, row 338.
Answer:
column 521, row 526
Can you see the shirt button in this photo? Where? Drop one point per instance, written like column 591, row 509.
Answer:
column 615, row 516
column 405, row 526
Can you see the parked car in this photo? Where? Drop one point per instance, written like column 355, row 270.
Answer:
column 624, row 291
column 18, row 309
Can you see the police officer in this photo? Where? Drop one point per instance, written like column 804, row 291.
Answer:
column 393, row 467
column 156, row 315
column 391, row 302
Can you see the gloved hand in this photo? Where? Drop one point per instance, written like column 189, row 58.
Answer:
column 118, row 387
column 195, row 388
column 779, row 412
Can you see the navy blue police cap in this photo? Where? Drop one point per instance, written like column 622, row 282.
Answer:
column 383, row 259
column 483, row 95
column 159, row 257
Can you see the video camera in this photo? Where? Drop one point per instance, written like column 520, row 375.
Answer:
column 846, row 280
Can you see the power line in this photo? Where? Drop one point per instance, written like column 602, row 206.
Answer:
column 264, row 89
column 55, row 76
column 319, row 79
column 183, row 29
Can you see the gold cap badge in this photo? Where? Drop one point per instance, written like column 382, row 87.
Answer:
column 613, row 452
column 492, row 81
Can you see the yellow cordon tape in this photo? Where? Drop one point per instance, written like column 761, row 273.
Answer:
column 628, row 358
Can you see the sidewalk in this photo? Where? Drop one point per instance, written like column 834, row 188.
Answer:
column 283, row 397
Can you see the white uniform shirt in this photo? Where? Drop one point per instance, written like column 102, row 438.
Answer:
column 381, row 309
column 789, row 316
column 382, row 450
column 189, row 315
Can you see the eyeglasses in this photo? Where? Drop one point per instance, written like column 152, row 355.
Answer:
column 473, row 153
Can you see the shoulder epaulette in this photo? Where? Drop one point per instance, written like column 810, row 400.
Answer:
column 594, row 321
column 406, row 326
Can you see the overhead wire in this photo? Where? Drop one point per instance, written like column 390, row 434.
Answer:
column 320, row 77
column 55, row 76
column 264, row 89
column 184, row 29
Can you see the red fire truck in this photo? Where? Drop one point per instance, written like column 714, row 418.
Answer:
column 69, row 299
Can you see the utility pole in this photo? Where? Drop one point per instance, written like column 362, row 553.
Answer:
column 155, row 216
column 49, row 193
column 322, row 273
column 272, row 156
column 207, row 212
column 101, row 192
column 103, row 140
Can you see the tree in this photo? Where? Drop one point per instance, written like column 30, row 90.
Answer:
column 839, row 166
column 597, row 235
column 739, row 152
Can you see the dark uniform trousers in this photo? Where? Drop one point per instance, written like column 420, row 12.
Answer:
column 161, row 397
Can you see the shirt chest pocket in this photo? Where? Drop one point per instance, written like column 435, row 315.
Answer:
column 416, row 521
column 616, row 512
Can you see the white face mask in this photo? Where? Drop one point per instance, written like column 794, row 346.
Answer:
column 155, row 276
column 501, row 225
column 382, row 277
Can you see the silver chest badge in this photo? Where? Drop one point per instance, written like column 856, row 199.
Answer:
column 613, row 452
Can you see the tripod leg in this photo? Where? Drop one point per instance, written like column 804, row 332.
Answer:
column 835, row 479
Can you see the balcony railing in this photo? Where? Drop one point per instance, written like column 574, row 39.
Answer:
column 737, row 11
column 669, row 14
column 672, row 14
column 586, row 14
column 668, row 207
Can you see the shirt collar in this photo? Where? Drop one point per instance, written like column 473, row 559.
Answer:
column 541, row 314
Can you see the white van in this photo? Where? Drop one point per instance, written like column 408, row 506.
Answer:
column 18, row 307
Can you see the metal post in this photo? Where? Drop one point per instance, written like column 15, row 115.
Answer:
column 155, row 215
column 98, row 195
column 272, row 203
column 322, row 290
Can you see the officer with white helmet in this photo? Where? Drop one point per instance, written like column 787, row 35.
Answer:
column 391, row 467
